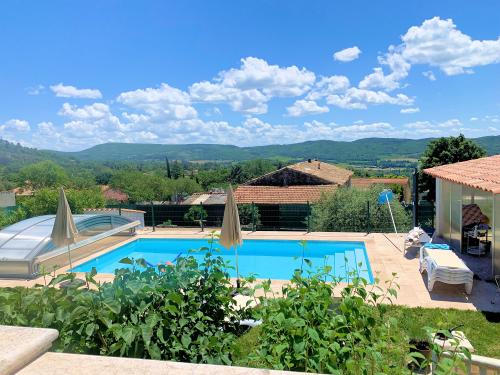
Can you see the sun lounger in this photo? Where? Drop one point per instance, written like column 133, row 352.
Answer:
column 444, row 266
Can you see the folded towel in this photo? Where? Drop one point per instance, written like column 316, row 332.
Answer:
column 441, row 246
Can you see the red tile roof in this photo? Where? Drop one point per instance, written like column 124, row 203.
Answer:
column 111, row 194
column 328, row 172
column 365, row 182
column 299, row 194
column 483, row 173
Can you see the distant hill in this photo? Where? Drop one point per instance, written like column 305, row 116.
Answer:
column 362, row 151
column 15, row 154
column 367, row 149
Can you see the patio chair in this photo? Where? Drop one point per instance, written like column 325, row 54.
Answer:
column 416, row 237
column 445, row 266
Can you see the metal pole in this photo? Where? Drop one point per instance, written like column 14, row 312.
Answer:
column 390, row 211
column 201, row 217
column 69, row 256
column 308, row 217
column 415, row 197
column 153, row 216
column 368, row 229
column 253, row 217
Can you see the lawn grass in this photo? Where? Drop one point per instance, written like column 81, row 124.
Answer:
column 482, row 330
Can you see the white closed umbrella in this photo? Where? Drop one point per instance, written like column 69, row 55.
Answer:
column 64, row 230
column 230, row 235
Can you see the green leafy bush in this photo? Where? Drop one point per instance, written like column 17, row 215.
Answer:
column 311, row 330
column 346, row 210
column 8, row 218
column 44, row 201
column 249, row 213
column 195, row 214
column 182, row 312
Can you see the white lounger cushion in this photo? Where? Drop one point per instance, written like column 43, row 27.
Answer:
column 445, row 266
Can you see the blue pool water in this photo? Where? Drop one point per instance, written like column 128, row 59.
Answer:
column 274, row 259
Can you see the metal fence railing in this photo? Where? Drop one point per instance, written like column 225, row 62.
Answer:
column 265, row 217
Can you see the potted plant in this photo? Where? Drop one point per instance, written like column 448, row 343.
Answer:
column 420, row 351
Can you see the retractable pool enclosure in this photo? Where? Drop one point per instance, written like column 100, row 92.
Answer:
column 24, row 245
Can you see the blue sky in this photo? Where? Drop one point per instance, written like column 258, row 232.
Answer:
column 75, row 74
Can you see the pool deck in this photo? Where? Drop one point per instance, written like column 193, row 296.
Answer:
column 385, row 254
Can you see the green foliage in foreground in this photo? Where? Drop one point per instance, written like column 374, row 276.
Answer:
column 187, row 312
column 314, row 328
column 183, row 312
column 346, row 210
column 310, row 330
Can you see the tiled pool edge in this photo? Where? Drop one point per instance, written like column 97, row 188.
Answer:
column 351, row 253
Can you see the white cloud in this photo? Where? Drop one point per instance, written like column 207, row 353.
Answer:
column 365, row 128
column 328, row 85
column 495, row 119
column 355, row 98
column 410, row 110
column 249, row 88
column 439, row 43
column 35, row 90
column 435, row 127
column 429, row 74
column 15, row 125
column 86, row 120
column 64, row 91
column 378, row 80
column 348, row 54
column 453, row 123
column 164, row 102
column 93, row 111
column 46, row 128
column 306, row 107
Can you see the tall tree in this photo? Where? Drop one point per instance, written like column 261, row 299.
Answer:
column 43, row 174
column 169, row 173
column 445, row 150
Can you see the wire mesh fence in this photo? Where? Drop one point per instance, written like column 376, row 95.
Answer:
column 264, row 217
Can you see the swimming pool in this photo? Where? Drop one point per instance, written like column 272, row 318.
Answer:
column 274, row 259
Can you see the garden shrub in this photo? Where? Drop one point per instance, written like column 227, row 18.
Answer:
column 8, row 218
column 249, row 213
column 182, row 312
column 311, row 330
column 44, row 201
column 195, row 214
column 346, row 210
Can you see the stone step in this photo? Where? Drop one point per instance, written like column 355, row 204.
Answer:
column 20, row 346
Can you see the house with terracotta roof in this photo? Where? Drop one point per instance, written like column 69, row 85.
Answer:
column 468, row 207
column 113, row 195
column 299, row 183
column 366, row 183
column 284, row 195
